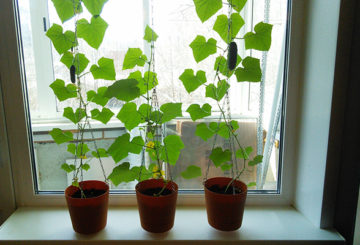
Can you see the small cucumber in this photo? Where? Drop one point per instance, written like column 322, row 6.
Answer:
column 232, row 56
column 72, row 73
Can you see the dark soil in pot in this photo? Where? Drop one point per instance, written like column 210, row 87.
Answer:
column 88, row 215
column 157, row 213
column 225, row 210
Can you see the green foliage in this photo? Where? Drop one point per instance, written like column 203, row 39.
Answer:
column 76, row 116
column 101, row 152
column 202, row 48
column 103, row 116
column 85, row 166
column 68, row 168
column 129, row 116
column 79, row 61
column 238, row 5
column 197, row 112
column 105, row 70
column 251, row 184
column 217, row 93
column 203, row 131
column 62, row 92
column 170, row 111
column 99, row 97
column 145, row 173
column 125, row 90
column 150, row 35
column 66, row 9
column 207, row 8
column 244, row 153
column 148, row 82
column 94, row 6
column 225, row 166
column 218, row 156
column 221, row 26
column 79, row 149
column 190, row 81
column 122, row 173
column 62, row 41
column 257, row 159
column 122, row 146
column 134, row 57
column 261, row 39
column 60, row 136
column 93, row 32
column 171, row 151
column 251, row 71
column 191, row 172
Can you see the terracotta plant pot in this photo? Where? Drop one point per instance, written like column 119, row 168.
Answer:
column 224, row 211
column 88, row 215
column 157, row 214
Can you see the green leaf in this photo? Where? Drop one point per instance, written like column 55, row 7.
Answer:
column 156, row 117
column 202, row 48
column 220, row 128
column 121, row 174
column 191, row 171
column 150, row 35
column 197, row 112
column 221, row 26
column 80, row 61
column 65, row 8
column 170, row 111
column 145, row 173
column 144, row 111
column 171, row 150
column 85, row 166
column 62, row 41
column 244, row 153
column 103, row 116
column 203, row 131
column 129, row 116
column 60, row 136
column 258, row 159
column 76, row 116
column 79, row 150
column 251, row 71
column 68, row 168
column 134, row 57
column 93, row 32
column 125, row 90
column 207, row 8
column 75, row 183
column 148, row 82
column 94, row 6
column 225, row 166
column 261, row 39
column 218, row 156
column 217, row 93
column 122, row 146
column 105, row 70
column 101, row 152
column 238, row 5
column 99, row 97
column 62, row 92
column 221, row 64
column 192, row 82
column 251, row 184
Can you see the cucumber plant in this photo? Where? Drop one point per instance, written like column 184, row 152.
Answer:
column 245, row 69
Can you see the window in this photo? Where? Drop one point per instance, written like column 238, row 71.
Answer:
column 257, row 108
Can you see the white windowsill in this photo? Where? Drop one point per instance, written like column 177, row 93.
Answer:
column 261, row 225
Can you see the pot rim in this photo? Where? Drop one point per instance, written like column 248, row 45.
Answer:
column 90, row 198
column 227, row 195
column 173, row 192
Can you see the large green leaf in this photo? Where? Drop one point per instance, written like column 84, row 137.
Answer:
column 170, row 111
column 66, row 9
column 99, row 97
column 261, row 39
column 62, row 41
column 150, row 35
column 94, row 6
column 141, row 173
column 60, row 136
column 76, row 116
column 122, row 146
column 207, row 8
column 244, row 153
column 148, row 82
column 238, row 5
column 62, row 92
column 129, row 116
column 125, row 90
column 197, row 112
column 93, row 32
column 171, row 151
column 105, row 70
column 251, row 71
column 68, row 168
column 203, row 131
column 79, row 150
column 191, row 172
column 103, row 116
column 122, row 173
column 192, row 82
column 221, row 64
column 217, row 93
column 221, row 26
column 202, row 48
column 218, row 156
column 257, row 159
column 80, row 61
column 134, row 57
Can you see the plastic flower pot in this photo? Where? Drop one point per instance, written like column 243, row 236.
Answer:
column 157, row 213
column 88, row 215
column 224, row 211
